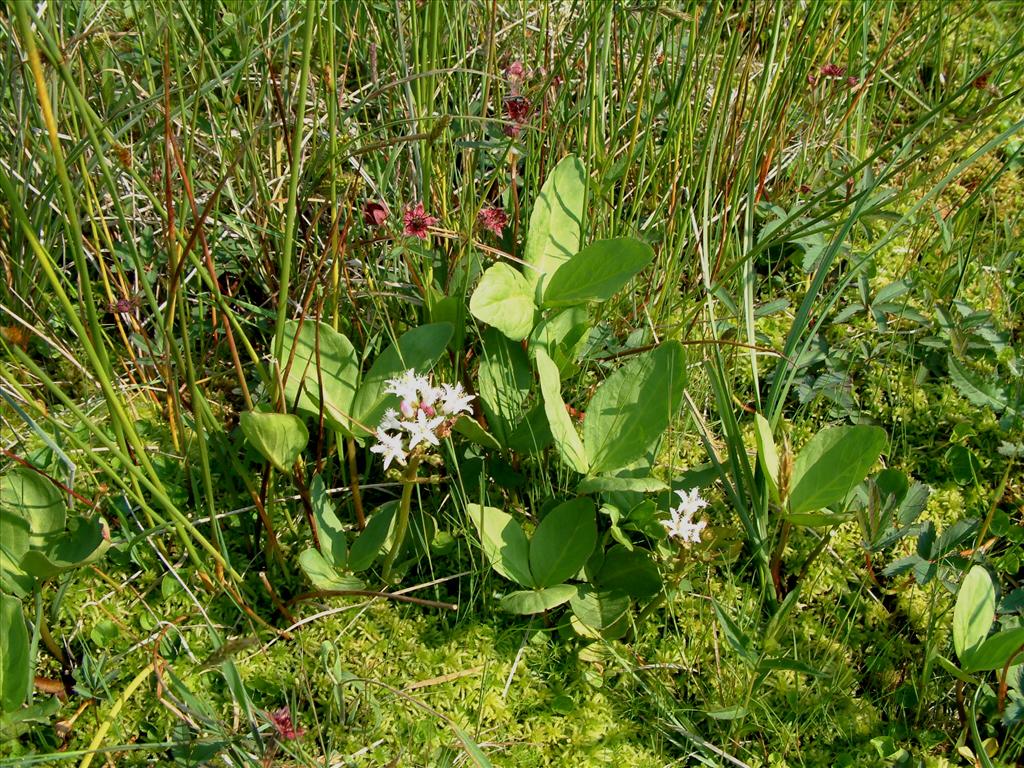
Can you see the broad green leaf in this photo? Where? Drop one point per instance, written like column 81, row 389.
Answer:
column 831, row 464
column 418, row 349
column 35, row 499
column 567, row 441
column 370, row 544
column 15, row 664
column 14, row 543
column 994, row 652
column 279, row 437
column 504, row 380
column 632, row 408
column 599, row 609
column 597, row 272
column 85, row 541
column 533, row 433
column 531, row 601
column 632, row 572
column 467, row 427
column 324, row 361
column 556, row 221
column 562, row 336
column 323, row 575
column 892, row 486
column 563, row 542
column 333, row 542
column 504, row 299
column 767, row 454
column 609, row 484
column 974, row 612
column 503, row 542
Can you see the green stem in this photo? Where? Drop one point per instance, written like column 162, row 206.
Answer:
column 402, row 527
column 288, row 246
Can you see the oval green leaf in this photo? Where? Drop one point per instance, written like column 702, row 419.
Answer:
column 597, row 272
column 974, row 612
column 322, row 360
column 556, row 221
column 504, row 299
column 832, row 463
column 994, row 652
column 503, row 542
column 530, row 601
column 279, row 437
column 15, row 664
column 563, row 542
column 632, row 408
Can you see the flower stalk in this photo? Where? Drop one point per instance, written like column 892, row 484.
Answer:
column 404, row 506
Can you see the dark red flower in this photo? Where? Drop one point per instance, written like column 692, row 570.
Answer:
column 833, row 70
column 375, row 213
column 493, row 219
column 511, row 129
column 517, row 108
column 852, row 81
column 417, row 222
column 981, row 81
column 282, row 721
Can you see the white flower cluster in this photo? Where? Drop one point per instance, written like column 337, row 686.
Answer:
column 424, row 412
column 681, row 525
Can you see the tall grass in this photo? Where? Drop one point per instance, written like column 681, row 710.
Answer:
column 181, row 178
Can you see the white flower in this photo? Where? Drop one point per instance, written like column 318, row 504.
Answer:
column 681, row 524
column 390, row 421
column 422, row 430
column 690, row 503
column 683, row 528
column 407, row 386
column 428, row 395
column 390, row 447
column 454, row 399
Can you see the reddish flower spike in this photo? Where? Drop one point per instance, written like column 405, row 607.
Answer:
column 418, row 222
column 283, row 724
column 493, row 219
column 517, row 108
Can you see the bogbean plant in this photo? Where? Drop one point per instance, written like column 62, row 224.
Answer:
column 597, row 543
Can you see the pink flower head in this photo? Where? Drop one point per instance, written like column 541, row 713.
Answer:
column 375, row 213
column 282, row 721
column 515, row 71
column 833, row 70
column 852, row 81
column 417, row 222
column 812, row 80
column 493, row 219
column 511, row 129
